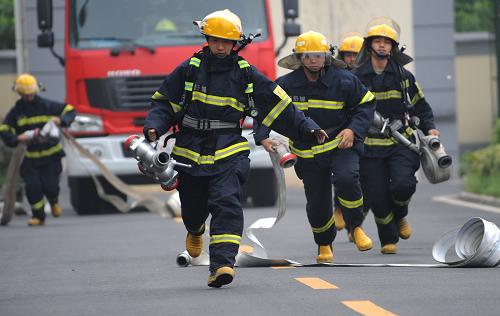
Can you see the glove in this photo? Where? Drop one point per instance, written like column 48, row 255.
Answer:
column 33, row 135
column 50, row 133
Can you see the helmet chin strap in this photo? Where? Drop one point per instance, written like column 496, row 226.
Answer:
column 314, row 72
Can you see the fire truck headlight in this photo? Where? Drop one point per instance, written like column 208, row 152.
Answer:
column 85, row 123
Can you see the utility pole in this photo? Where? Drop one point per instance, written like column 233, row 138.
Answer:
column 19, row 14
column 496, row 26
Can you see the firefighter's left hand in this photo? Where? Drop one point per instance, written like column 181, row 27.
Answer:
column 320, row 135
column 56, row 120
column 268, row 145
column 347, row 136
column 433, row 132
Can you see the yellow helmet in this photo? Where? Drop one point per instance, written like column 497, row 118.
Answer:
column 351, row 44
column 221, row 24
column 383, row 30
column 311, row 42
column 26, row 84
column 385, row 27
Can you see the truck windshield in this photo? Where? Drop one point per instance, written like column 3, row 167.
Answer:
column 151, row 23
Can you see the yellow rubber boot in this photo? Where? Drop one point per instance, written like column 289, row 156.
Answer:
column 404, row 228
column 362, row 241
column 349, row 236
column 325, row 254
column 389, row 249
column 34, row 221
column 194, row 244
column 338, row 218
column 56, row 210
column 221, row 276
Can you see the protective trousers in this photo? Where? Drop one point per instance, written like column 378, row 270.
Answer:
column 41, row 180
column 343, row 172
column 390, row 183
column 218, row 195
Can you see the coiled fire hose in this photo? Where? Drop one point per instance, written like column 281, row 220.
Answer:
column 476, row 243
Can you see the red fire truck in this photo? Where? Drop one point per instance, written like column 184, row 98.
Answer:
column 116, row 54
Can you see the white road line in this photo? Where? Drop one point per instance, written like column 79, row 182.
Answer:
column 453, row 200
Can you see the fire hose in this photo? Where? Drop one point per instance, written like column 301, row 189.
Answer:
column 436, row 163
column 476, row 243
column 149, row 202
column 280, row 159
column 9, row 188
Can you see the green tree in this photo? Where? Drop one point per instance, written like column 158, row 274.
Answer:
column 7, row 35
column 474, row 15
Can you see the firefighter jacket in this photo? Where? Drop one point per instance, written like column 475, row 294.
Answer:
column 336, row 101
column 25, row 116
column 219, row 93
column 387, row 88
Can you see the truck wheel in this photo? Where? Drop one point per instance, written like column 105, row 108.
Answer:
column 84, row 198
column 262, row 187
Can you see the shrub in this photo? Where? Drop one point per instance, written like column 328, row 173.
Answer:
column 482, row 170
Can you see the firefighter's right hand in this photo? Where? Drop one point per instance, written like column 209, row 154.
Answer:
column 28, row 136
column 320, row 135
column 268, row 145
column 152, row 135
column 23, row 138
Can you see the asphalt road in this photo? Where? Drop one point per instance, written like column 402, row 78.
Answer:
column 124, row 264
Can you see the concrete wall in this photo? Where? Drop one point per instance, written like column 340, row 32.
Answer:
column 40, row 61
column 7, row 77
column 476, row 89
column 434, row 54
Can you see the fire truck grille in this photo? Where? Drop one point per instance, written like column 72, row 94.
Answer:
column 122, row 93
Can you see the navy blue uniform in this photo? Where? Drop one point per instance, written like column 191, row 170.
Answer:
column 387, row 168
column 336, row 101
column 41, row 166
column 220, row 156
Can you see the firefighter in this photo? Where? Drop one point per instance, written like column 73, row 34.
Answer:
column 387, row 168
column 343, row 107
column 41, row 166
column 348, row 51
column 349, row 48
column 208, row 95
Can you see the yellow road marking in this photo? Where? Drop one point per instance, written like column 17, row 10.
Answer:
column 317, row 283
column 367, row 308
column 246, row 248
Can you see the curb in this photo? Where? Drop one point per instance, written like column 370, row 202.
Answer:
column 479, row 198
